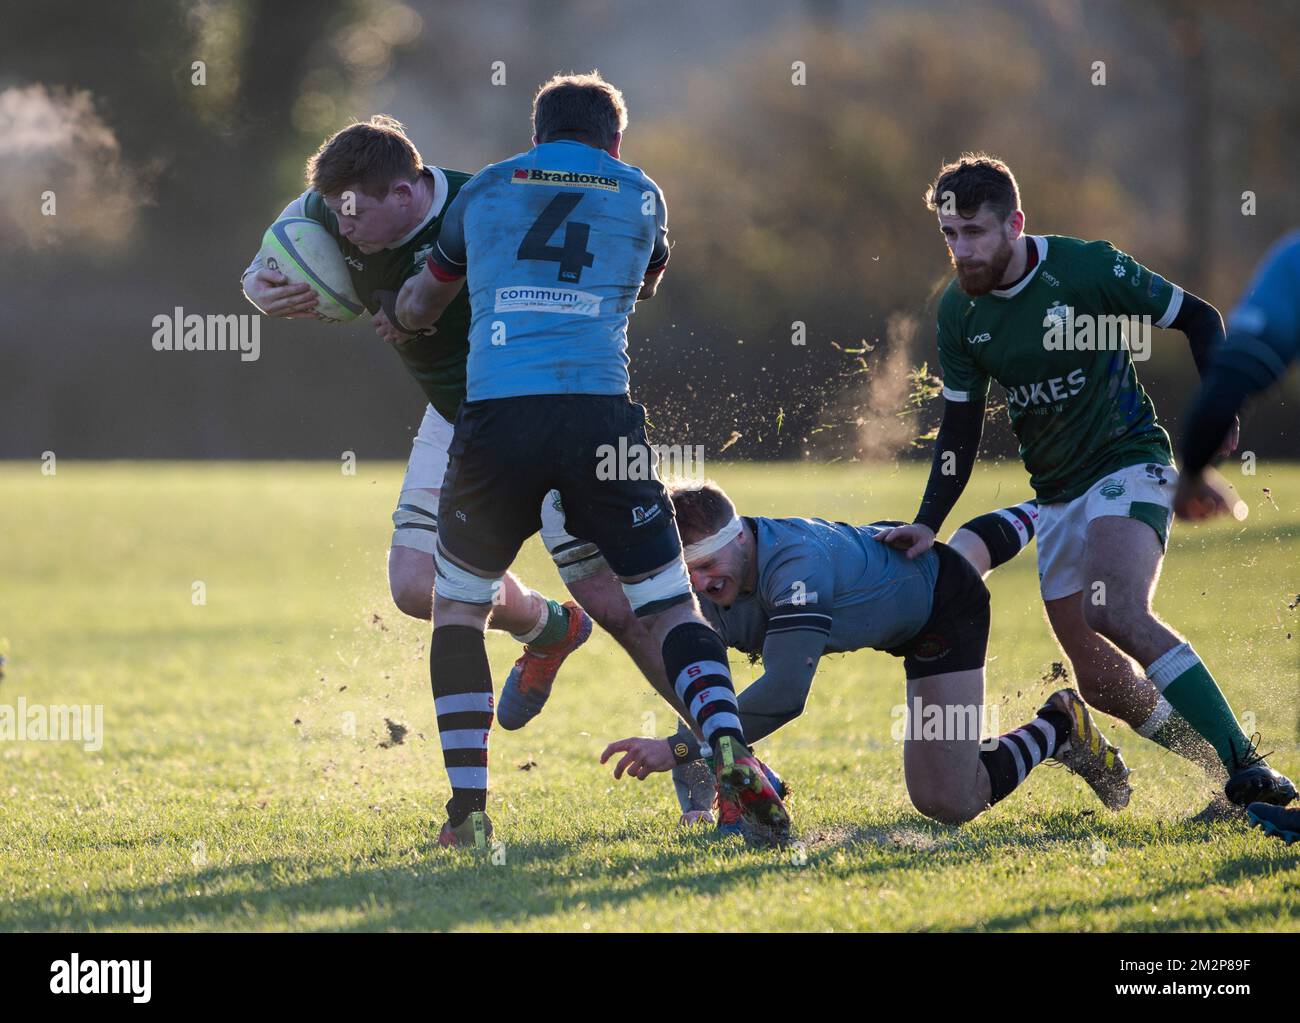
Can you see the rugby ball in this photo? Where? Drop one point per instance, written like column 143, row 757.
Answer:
column 304, row 251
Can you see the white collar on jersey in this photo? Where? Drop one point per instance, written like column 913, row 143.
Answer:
column 714, row 542
column 440, row 188
column 1040, row 243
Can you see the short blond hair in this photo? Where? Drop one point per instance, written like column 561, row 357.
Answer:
column 701, row 508
column 582, row 107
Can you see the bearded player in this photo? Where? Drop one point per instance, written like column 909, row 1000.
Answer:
column 370, row 188
column 1100, row 464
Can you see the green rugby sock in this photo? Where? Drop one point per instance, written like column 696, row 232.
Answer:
column 1189, row 687
column 551, row 628
column 1166, row 727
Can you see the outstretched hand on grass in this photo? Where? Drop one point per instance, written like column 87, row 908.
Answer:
column 641, row 757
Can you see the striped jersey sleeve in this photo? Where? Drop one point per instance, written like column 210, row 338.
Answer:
column 798, row 590
column 1122, row 286
column 963, row 379
column 448, row 260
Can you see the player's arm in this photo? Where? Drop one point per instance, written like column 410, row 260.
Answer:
column 1124, row 287
column 775, row 699
column 956, row 446
column 659, row 253
column 781, row 692
column 798, row 585
column 270, row 291
column 650, row 286
column 1203, row 326
column 799, row 590
column 426, row 296
column 1263, row 338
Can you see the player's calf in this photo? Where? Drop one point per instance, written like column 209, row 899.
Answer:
column 993, row 539
column 461, row 679
column 410, row 581
column 952, row 776
column 1122, row 562
column 602, row 597
column 1111, row 683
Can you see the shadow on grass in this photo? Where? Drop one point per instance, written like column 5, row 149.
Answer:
column 435, row 889
column 1188, row 918
column 432, row 889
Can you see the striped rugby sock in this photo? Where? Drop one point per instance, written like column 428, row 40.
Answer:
column 1007, row 531
column 462, row 699
column 1019, row 752
column 696, row 659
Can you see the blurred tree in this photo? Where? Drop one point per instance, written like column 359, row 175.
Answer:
column 796, row 208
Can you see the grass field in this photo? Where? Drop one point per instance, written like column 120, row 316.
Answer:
column 248, row 778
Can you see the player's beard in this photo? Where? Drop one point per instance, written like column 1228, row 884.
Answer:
column 980, row 277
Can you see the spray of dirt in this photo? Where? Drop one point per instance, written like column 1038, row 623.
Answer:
column 884, row 433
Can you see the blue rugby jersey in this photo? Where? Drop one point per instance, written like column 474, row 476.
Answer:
column 555, row 243
column 1264, row 329
column 829, row 578
column 1263, row 340
column 822, row 587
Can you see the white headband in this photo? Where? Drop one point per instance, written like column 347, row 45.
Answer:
column 714, row 542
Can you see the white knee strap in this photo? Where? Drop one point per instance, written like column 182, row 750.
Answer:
column 456, row 583
column 670, row 583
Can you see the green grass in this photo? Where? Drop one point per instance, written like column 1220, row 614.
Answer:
column 242, row 784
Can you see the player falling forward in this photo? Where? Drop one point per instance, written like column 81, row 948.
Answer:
column 794, row 589
column 1100, row 464
column 1263, row 340
column 558, row 244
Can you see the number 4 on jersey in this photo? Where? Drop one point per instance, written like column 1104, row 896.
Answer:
column 572, row 255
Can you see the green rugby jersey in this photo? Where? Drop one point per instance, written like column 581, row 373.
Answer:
column 436, row 361
column 1078, row 414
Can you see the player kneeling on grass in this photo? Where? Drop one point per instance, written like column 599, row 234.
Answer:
column 794, row 589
